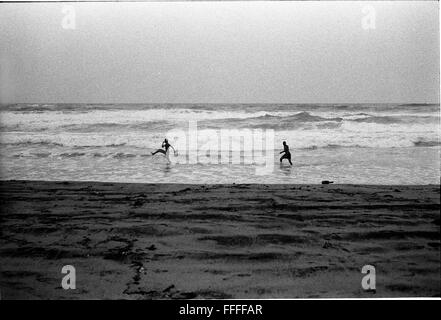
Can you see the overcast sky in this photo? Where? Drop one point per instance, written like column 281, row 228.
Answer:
column 227, row 52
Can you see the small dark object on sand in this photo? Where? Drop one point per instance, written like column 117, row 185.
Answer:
column 327, row 182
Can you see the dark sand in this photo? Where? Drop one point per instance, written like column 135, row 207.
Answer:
column 145, row 241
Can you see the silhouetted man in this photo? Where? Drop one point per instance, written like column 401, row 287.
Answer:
column 165, row 145
column 287, row 154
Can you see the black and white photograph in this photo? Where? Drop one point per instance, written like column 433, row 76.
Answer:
column 218, row 150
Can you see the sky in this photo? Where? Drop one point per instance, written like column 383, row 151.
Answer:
column 220, row 52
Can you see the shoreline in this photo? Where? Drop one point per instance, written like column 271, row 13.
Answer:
column 117, row 183
column 177, row 241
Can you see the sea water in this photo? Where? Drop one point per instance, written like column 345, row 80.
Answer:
column 345, row 143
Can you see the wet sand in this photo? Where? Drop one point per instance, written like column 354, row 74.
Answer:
column 170, row 241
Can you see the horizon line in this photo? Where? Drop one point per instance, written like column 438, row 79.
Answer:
column 214, row 103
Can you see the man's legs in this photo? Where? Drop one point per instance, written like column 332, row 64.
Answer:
column 159, row 150
column 283, row 157
column 286, row 157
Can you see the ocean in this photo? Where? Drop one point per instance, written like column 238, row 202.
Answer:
column 345, row 143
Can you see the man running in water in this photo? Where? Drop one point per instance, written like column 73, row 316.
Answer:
column 165, row 145
column 287, row 154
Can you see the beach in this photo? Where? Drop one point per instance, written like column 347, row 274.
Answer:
column 205, row 241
